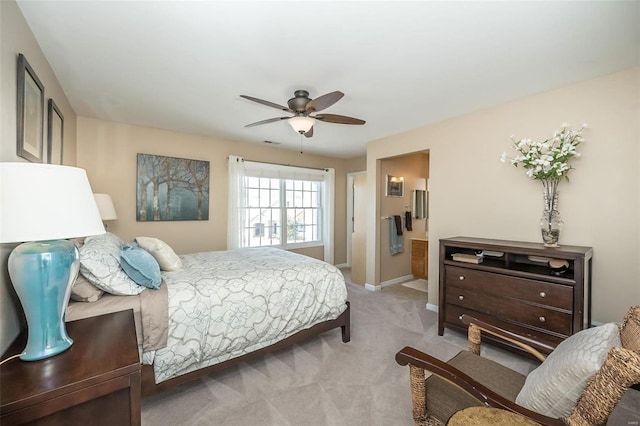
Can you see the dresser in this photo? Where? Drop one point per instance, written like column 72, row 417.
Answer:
column 514, row 287
column 94, row 382
column 419, row 258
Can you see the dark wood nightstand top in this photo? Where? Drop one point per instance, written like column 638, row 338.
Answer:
column 104, row 347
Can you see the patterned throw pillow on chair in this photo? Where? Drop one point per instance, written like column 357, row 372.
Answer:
column 554, row 387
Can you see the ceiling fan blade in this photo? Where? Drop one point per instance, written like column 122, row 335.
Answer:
column 267, row 103
column 340, row 119
column 269, row 120
column 309, row 132
column 324, row 101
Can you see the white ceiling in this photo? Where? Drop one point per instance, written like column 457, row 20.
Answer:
column 181, row 65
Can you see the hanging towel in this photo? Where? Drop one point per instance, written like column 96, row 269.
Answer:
column 396, row 242
column 407, row 221
column 398, row 221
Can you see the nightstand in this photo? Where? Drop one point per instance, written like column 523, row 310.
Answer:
column 96, row 381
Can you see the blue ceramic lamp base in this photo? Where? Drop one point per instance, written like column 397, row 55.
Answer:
column 42, row 274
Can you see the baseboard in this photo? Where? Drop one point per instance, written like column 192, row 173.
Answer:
column 342, row 265
column 372, row 287
column 396, row 280
column 433, row 308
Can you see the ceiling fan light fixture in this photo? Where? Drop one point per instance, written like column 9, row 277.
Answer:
column 301, row 124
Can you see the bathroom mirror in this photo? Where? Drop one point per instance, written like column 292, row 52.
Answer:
column 420, row 208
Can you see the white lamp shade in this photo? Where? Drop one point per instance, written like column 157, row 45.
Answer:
column 105, row 207
column 46, row 202
column 301, row 124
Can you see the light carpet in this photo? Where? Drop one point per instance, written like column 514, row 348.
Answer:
column 325, row 381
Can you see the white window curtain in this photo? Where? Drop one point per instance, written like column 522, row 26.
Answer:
column 240, row 168
column 237, row 200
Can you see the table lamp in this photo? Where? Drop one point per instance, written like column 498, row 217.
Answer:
column 44, row 204
column 106, row 208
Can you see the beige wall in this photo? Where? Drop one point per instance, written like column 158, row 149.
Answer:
column 473, row 194
column 15, row 38
column 107, row 150
column 412, row 167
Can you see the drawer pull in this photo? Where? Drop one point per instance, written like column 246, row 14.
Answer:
column 461, row 297
column 543, row 294
column 460, row 317
column 542, row 319
column 461, row 277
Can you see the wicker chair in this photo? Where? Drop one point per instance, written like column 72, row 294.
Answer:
column 471, row 380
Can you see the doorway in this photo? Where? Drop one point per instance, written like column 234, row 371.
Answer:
column 403, row 265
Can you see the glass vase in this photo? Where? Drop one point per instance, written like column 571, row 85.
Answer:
column 550, row 223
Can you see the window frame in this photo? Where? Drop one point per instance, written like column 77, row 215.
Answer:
column 320, row 193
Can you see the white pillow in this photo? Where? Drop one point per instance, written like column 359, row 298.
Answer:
column 554, row 387
column 100, row 263
column 166, row 257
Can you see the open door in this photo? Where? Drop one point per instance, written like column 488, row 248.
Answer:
column 358, row 234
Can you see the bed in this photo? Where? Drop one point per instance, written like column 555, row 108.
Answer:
column 217, row 309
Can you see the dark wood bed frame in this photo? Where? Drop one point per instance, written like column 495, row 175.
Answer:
column 149, row 386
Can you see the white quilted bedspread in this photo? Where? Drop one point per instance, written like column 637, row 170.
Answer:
column 228, row 303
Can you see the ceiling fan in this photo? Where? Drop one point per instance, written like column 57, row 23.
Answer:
column 302, row 106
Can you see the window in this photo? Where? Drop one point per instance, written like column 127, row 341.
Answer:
column 271, row 203
column 282, row 206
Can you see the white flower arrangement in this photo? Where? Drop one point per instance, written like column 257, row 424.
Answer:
column 547, row 160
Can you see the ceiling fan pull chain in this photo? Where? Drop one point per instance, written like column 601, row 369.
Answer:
column 301, row 143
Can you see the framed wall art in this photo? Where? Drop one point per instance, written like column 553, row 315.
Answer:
column 30, row 115
column 55, row 134
column 170, row 188
column 394, row 186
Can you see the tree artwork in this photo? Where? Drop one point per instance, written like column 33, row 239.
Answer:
column 170, row 188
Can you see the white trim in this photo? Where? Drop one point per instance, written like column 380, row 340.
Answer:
column 397, row 280
column 342, row 265
column 431, row 307
column 295, row 246
column 372, row 287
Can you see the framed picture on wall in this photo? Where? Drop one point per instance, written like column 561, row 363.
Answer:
column 395, row 186
column 55, row 134
column 170, row 188
column 30, row 114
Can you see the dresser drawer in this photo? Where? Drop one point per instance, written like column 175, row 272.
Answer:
column 454, row 313
column 510, row 309
column 549, row 294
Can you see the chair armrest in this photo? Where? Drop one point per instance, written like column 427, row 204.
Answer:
column 534, row 347
column 487, row 397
